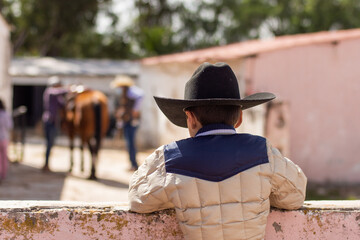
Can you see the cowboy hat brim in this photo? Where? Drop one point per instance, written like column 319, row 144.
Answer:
column 174, row 108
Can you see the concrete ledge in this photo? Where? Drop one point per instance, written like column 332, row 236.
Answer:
column 316, row 220
column 76, row 220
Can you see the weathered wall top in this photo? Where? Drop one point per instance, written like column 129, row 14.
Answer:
column 112, row 220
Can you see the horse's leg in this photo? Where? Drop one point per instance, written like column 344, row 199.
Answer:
column 82, row 156
column 93, row 151
column 71, row 146
column 94, row 142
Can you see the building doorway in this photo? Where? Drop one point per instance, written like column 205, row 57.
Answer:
column 31, row 98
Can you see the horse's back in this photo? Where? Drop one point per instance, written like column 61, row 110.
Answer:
column 86, row 104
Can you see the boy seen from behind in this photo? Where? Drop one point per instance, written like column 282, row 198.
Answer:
column 220, row 183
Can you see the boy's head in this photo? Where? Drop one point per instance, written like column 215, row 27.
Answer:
column 200, row 116
column 212, row 114
column 211, row 95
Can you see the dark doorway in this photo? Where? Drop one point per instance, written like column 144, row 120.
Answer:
column 31, row 98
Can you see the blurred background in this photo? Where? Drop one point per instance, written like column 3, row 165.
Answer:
column 307, row 52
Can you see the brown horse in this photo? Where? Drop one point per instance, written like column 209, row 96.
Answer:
column 86, row 115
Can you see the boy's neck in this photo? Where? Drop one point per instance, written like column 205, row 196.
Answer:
column 215, row 127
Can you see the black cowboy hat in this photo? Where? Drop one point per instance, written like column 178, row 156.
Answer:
column 211, row 84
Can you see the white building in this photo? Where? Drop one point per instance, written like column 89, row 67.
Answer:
column 5, row 50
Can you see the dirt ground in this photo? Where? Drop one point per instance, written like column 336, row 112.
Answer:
column 26, row 181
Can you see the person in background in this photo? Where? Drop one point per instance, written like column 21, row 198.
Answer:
column 221, row 183
column 53, row 100
column 6, row 124
column 127, row 113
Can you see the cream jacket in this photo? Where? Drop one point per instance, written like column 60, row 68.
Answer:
column 211, row 199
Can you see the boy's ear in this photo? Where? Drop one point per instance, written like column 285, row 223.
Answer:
column 239, row 121
column 191, row 119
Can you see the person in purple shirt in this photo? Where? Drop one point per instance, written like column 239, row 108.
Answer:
column 128, row 113
column 53, row 100
column 6, row 124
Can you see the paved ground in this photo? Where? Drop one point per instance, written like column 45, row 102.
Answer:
column 26, row 181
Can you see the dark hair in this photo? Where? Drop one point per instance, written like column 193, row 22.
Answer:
column 2, row 107
column 216, row 114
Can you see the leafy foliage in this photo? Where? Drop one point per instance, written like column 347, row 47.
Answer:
column 66, row 28
column 303, row 16
column 182, row 27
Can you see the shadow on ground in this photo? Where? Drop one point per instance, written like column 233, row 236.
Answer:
column 107, row 182
column 28, row 183
column 332, row 191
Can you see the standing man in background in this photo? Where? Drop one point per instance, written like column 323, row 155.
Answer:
column 53, row 100
column 128, row 113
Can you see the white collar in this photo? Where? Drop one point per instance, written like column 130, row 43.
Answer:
column 217, row 132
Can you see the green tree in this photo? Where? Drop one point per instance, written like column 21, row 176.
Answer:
column 165, row 28
column 66, row 28
column 62, row 28
column 152, row 31
column 303, row 16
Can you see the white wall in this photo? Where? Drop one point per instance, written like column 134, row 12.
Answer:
column 5, row 48
column 166, row 80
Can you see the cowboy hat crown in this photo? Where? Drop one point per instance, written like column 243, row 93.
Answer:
column 122, row 81
column 211, row 84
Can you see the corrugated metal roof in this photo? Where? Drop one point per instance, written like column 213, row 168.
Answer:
column 48, row 66
column 248, row 48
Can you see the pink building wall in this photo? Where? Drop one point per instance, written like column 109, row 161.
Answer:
column 317, row 75
column 321, row 83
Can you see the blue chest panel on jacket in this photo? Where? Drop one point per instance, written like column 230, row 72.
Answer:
column 215, row 157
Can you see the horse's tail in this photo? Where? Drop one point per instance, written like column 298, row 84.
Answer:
column 98, row 123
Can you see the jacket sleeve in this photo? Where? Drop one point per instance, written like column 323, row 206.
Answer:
column 288, row 182
column 147, row 190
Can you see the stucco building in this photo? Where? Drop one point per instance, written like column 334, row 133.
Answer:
column 317, row 82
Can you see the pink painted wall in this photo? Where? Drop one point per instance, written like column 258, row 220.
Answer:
column 314, row 223
column 321, row 82
column 39, row 220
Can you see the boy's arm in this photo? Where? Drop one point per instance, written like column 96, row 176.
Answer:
column 147, row 190
column 288, row 182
